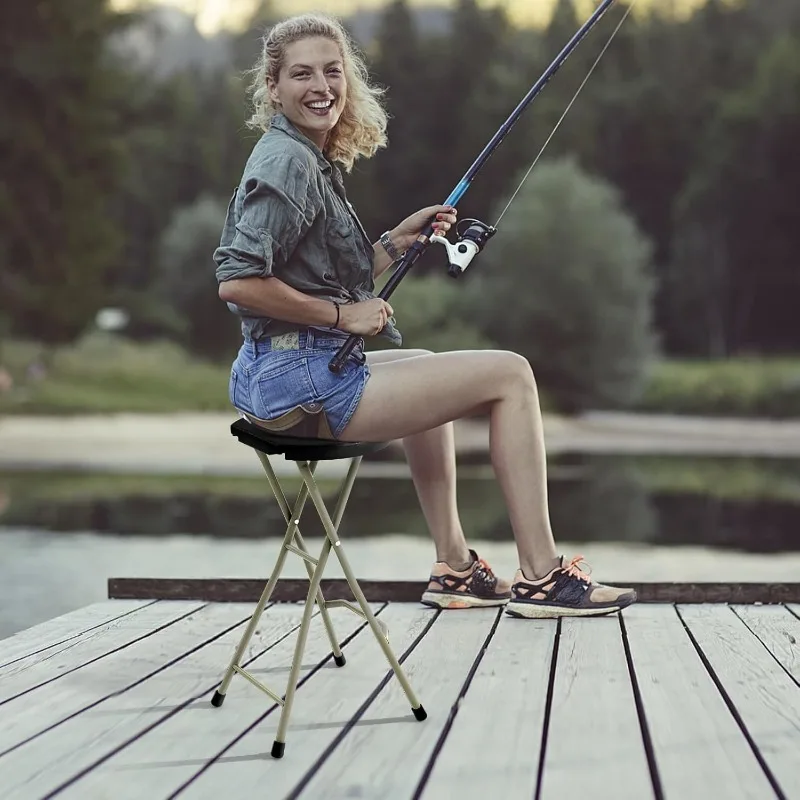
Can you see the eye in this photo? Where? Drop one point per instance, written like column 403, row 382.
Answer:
column 334, row 71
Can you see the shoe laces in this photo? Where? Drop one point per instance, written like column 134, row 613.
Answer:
column 481, row 564
column 574, row 570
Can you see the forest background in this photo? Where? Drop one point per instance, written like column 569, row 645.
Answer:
column 649, row 261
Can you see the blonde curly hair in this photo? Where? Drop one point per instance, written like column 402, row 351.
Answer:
column 361, row 128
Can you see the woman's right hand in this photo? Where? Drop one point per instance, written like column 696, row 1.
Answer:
column 365, row 318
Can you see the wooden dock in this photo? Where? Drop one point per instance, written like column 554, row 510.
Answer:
column 683, row 701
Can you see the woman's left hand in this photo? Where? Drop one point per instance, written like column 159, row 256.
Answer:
column 408, row 231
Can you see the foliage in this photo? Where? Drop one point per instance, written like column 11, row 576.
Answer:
column 431, row 314
column 186, row 279
column 692, row 118
column 742, row 387
column 62, row 162
column 567, row 284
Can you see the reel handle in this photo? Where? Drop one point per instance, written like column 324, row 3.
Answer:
column 469, row 244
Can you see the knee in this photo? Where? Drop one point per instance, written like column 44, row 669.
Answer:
column 519, row 372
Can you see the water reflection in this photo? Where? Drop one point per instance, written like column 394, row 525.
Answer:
column 746, row 504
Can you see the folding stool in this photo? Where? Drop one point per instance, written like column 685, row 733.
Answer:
column 307, row 453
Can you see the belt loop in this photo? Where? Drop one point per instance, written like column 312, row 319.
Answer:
column 309, row 338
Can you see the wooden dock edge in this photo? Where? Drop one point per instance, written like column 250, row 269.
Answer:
column 248, row 590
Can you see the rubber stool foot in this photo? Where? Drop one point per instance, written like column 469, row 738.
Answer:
column 218, row 699
column 420, row 713
column 339, row 660
column 278, row 749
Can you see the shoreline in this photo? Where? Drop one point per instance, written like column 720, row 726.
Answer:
column 201, row 443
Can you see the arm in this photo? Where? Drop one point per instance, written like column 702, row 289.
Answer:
column 273, row 298
column 406, row 233
column 381, row 261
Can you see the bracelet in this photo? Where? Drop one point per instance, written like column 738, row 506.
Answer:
column 335, row 324
column 388, row 246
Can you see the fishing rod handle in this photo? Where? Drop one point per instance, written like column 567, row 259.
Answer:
column 336, row 364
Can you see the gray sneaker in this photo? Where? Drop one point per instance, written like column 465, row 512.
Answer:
column 567, row 591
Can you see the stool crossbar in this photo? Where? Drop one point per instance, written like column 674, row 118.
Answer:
column 307, row 453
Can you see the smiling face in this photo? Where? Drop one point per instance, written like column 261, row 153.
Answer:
column 311, row 88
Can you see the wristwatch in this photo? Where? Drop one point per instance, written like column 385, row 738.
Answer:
column 388, row 246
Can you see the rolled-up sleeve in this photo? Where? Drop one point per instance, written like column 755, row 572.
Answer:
column 278, row 204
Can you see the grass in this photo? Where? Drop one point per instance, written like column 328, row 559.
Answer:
column 107, row 374
column 746, row 387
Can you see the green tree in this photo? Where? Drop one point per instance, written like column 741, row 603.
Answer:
column 62, row 159
column 186, row 282
column 737, row 221
column 566, row 282
column 399, row 67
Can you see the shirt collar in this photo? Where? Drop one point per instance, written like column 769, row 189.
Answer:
column 282, row 123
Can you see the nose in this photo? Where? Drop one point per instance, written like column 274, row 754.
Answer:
column 320, row 83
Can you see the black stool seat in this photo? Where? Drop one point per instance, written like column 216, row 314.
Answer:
column 300, row 449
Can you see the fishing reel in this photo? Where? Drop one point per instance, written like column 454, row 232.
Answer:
column 472, row 237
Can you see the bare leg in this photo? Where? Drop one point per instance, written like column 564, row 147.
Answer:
column 408, row 396
column 432, row 460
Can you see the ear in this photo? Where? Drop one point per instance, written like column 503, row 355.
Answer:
column 272, row 89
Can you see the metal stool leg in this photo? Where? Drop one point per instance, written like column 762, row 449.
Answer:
column 314, row 596
column 380, row 633
column 338, row 656
column 279, row 745
column 291, row 530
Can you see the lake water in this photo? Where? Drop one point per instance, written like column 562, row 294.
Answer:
column 634, row 518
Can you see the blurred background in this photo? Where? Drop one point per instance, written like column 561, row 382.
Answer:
column 648, row 270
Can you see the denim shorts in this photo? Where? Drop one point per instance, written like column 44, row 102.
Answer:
column 274, row 375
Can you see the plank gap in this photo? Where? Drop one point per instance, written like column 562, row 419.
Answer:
column 764, row 645
column 454, row 708
column 74, row 635
column 649, row 750
column 308, row 776
column 548, row 707
column 98, row 658
column 131, row 686
column 732, row 708
column 128, row 742
column 274, row 706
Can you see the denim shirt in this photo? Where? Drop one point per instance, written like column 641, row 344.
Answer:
column 290, row 218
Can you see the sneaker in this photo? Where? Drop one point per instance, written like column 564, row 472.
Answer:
column 474, row 587
column 567, row 591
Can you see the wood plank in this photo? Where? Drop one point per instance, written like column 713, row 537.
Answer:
column 699, row 749
column 45, row 709
column 385, row 753
column 79, row 644
column 49, row 761
column 764, row 695
column 90, row 650
column 495, row 740
column 171, row 754
column 779, row 631
column 248, row 590
column 594, row 733
column 61, row 629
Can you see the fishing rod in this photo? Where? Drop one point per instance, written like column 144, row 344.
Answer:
column 475, row 233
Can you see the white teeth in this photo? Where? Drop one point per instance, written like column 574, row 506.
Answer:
column 321, row 104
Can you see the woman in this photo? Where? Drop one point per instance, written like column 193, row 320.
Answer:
column 297, row 266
